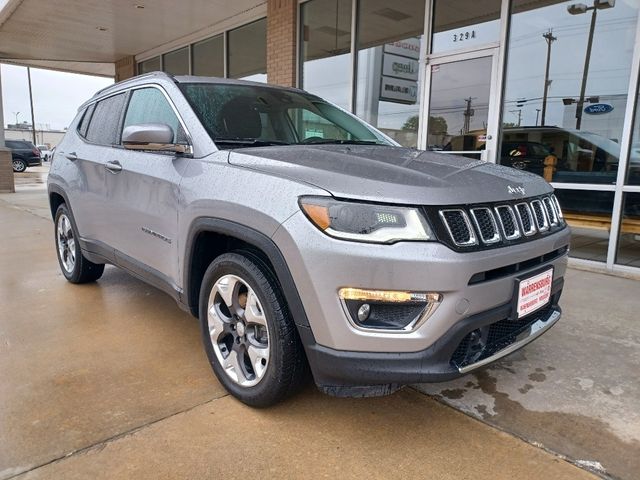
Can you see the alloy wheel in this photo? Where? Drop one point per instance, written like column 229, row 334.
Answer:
column 238, row 330
column 66, row 243
column 19, row 166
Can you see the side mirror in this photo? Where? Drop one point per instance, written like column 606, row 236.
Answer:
column 151, row 136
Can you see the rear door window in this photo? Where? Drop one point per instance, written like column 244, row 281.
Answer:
column 104, row 124
column 149, row 105
column 86, row 117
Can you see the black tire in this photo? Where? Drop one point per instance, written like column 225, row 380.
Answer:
column 82, row 270
column 19, row 165
column 286, row 370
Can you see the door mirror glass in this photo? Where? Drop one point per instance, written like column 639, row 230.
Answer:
column 151, row 136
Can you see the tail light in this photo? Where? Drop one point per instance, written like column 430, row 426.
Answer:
column 36, row 152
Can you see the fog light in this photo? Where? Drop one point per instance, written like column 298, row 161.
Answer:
column 363, row 312
column 390, row 310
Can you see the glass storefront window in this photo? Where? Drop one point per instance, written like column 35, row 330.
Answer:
column 565, row 123
column 208, row 57
column 176, row 62
column 151, row 65
column 459, row 106
column 629, row 240
column 589, row 214
column 248, row 52
column 463, row 24
column 389, row 43
column 326, row 45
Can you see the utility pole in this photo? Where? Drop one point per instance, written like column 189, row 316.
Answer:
column 519, row 112
column 33, row 120
column 585, row 72
column 468, row 113
column 549, row 39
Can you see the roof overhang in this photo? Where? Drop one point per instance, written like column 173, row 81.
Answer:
column 90, row 36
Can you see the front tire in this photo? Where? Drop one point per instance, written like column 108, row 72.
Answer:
column 250, row 339
column 19, row 165
column 75, row 267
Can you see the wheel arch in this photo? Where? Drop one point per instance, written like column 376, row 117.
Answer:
column 56, row 198
column 210, row 237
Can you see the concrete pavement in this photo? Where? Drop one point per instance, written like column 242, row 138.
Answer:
column 109, row 381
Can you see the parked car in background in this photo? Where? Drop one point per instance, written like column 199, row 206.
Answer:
column 23, row 154
column 45, row 152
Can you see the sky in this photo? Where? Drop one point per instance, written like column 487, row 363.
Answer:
column 56, row 95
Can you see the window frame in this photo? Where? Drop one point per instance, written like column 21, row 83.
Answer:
column 188, row 137
column 95, row 104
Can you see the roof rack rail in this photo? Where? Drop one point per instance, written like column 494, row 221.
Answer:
column 137, row 77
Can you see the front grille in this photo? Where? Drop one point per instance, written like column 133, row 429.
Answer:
column 490, row 339
column 468, row 228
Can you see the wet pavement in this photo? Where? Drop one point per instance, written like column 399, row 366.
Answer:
column 576, row 391
column 109, row 380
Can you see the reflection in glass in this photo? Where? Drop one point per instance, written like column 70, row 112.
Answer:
column 589, row 215
column 389, row 42
column 565, row 122
column 208, row 57
column 629, row 240
column 633, row 168
column 151, row 65
column 459, row 105
column 326, row 44
column 176, row 62
column 462, row 24
column 248, row 52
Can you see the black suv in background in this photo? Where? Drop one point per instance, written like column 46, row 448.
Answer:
column 23, row 154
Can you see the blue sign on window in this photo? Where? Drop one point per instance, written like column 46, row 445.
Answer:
column 598, row 108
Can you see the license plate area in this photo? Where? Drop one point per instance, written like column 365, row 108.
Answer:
column 533, row 293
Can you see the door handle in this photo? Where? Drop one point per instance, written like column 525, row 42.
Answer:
column 72, row 156
column 113, row 167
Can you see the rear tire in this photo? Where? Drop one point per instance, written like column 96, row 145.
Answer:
column 19, row 165
column 75, row 267
column 249, row 336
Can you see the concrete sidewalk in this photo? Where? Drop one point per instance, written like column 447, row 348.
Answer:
column 109, row 381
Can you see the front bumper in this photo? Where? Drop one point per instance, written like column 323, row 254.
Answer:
column 345, row 373
column 470, row 283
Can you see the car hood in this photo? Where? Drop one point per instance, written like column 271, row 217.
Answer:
column 392, row 174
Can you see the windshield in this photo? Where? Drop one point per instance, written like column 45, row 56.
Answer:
column 237, row 116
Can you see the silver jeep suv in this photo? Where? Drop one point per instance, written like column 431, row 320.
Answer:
column 301, row 237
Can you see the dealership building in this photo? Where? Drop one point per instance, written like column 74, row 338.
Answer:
column 541, row 85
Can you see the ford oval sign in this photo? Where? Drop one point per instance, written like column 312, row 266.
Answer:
column 598, row 108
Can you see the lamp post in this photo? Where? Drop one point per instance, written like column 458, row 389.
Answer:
column 16, row 114
column 578, row 9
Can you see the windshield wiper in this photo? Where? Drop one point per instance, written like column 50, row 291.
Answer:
column 335, row 141
column 249, row 142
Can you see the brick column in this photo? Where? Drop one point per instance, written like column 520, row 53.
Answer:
column 6, row 167
column 281, row 42
column 125, row 68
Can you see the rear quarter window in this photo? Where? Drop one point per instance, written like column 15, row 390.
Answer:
column 84, row 121
column 104, row 124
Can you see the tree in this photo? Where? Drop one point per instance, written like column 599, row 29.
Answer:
column 437, row 125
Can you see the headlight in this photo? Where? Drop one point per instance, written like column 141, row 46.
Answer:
column 366, row 222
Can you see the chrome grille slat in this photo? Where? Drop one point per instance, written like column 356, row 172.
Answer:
column 540, row 216
column 508, row 222
column 459, row 227
column 486, row 225
column 526, row 219
column 551, row 211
